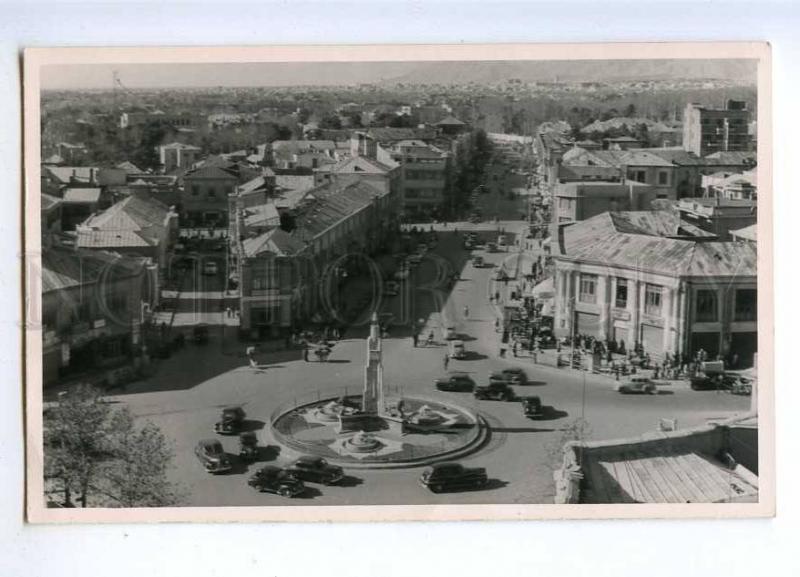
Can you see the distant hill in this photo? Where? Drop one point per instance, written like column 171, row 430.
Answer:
column 576, row 71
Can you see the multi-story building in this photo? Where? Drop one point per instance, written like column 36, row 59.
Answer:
column 642, row 278
column 93, row 306
column 289, row 275
column 204, row 199
column 178, row 156
column 708, row 130
column 582, row 200
column 424, row 171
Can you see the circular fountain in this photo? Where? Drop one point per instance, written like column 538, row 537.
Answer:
column 373, row 431
column 362, row 442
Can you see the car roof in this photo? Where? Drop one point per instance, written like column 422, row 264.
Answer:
column 308, row 459
column 210, row 442
column 270, row 470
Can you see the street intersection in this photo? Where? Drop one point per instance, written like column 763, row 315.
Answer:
column 188, row 390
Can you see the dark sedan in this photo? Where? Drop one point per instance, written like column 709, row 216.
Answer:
column 316, row 470
column 272, row 479
column 457, row 382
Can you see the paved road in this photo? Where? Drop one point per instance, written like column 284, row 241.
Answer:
column 187, row 393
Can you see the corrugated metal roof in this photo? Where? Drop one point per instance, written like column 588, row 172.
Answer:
column 276, row 242
column 631, row 240
column 64, row 267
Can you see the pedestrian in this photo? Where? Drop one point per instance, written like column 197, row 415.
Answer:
column 502, row 350
column 515, row 348
column 466, row 312
column 305, row 354
column 446, row 361
column 497, row 297
column 415, row 338
column 250, row 352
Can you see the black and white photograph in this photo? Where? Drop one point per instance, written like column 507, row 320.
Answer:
column 507, row 284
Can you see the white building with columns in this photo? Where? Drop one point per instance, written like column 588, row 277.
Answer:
column 649, row 278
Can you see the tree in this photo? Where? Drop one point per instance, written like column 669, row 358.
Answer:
column 97, row 453
column 142, row 458
column 331, row 121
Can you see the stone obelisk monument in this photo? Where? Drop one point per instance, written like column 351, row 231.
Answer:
column 372, row 400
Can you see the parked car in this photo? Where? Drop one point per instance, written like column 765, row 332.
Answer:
column 450, row 333
column 211, row 454
column 456, row 382
column 491, row 247
column 494, row 391
column 636, row 385
column 248, row 446
column 502, row 240
column 456, row 350
column 391, row 288
column 515, row 375
column 450, row 476
column 316, row 470
column 532, row 407
column 271, row 479
column 499, row 377
column 230, row 421
column 210, row 268
column 477, row 261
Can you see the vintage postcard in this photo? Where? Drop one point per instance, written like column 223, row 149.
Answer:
column 370, row 283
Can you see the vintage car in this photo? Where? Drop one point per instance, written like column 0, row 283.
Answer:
column 512, row 375
column 248, row 446
column 477, row 261
column 449, row 476
column 532, row 407
column 494, row 391
column 271, row 479
column 636, row 385
column 456, row 350
column 316, row 470
column 491, row 247
column 213, row 457
column 230, row 421
column 450, row 333
column 457, row 382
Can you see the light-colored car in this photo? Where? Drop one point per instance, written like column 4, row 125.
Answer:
column 636, row 385
column 450, row 333
column 477, row 261
column 456, row 350
column 210, row 268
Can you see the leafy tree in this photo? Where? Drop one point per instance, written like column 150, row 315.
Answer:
column 630, row 110
column 96, row 453
column 331, row 121
column 142, row 457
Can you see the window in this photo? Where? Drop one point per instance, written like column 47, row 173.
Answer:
column 746, row 306
column 652, row 299
column 663, row 177
column 621, row 298
column 195, row 190
column 588, row 288
column 211, row 192
column 706, row 306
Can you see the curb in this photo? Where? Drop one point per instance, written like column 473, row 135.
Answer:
column 477, row 442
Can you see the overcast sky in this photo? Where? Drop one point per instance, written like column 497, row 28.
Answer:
column 92, row 76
